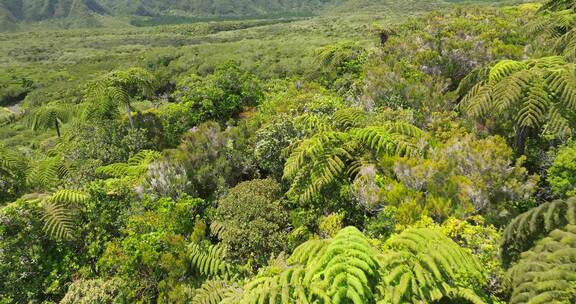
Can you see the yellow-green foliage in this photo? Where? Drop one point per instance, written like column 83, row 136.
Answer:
column 6, row 116
column 47, row 173
column 423, row 265
column 12, row 173
column 555, row 5
column 419, row 265
column 461, row 177
column 561, row 175
column 136, row 167
column 340, row 270
column 116, row 89
column 217, row 292
column 59, row 211
column 51, row 116
column 331, row 224
column 210, row 260
column 547, row 272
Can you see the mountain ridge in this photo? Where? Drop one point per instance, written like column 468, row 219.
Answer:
column 86, row 13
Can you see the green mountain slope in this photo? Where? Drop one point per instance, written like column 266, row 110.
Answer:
column 87, row 13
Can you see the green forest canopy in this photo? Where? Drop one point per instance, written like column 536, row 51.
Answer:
column 381, row 152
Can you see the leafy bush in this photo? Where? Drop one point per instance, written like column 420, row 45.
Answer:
column 216, row 159
column 221, row 95
column 154, row 251
column 95, row 291
column 254, row 221
column 562, row 173
column 464, row 176
column 12, row 174
column 32, row 266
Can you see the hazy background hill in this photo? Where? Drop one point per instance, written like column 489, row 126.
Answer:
column 61, row 14
column 91, row 13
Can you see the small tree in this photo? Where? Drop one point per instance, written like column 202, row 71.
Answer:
column 51, row 116
column 254, row 223
column 117, row 89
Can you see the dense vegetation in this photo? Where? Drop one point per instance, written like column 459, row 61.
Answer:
column 361, row 156
column 93, row 13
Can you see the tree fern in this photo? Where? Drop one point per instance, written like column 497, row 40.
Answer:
column 333, row 156
column 59, row 211
column 557, row 25
column 51, row 116
column 116, row 89
column 11, row 163
column 423, row 265
column 556, row 5
column 13, row 167
column 547, row 273
column 136, row 167
column 529, row 92
column 387, row 140
column 524, row 230
column 312, row 123
column 347, row 270
column 418, row 266
column 47, row 173
column 340, row 270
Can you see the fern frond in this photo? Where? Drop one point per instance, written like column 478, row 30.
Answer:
column 534, row 107
column 215, row 292
column 114, row 89
column 59, row 211
column 546, row 273
column 557, row 5
column 11, row 162
column 349, row 118
column 420, row 266
column 58, row 220
column 402, row 128
column 382, row 140
column 144, row 157
column 563, row 84
column 530, row 91
column 341, row 270
column 557, row 124
column 478, row 102
column 114, row 170
column 310, row 148
column 504, row 69
column 210, row 260
column 51, row 116
column 524, row 230
column 47, row 173
column 137, row 165
column 331, row 157
column 311, row 123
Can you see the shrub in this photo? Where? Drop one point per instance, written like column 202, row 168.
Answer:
column 255, row 222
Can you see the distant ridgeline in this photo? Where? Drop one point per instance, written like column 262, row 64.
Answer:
column 93, row 13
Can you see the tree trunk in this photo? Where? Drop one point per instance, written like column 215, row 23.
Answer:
column 130, row 120
column 57, row 127
column 521, row 137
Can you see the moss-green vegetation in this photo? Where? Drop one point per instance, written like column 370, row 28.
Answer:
column 381, row 152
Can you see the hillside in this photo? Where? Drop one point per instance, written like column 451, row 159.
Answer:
column 327, row 152
column 91, row 13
